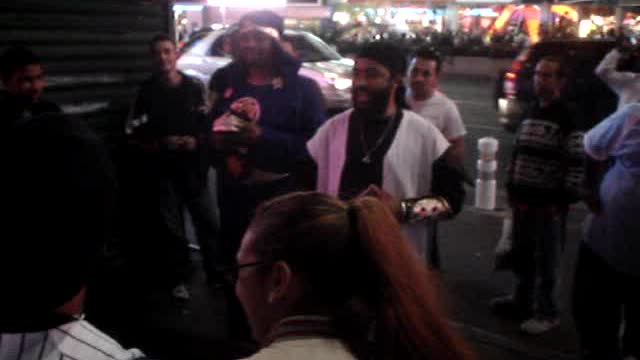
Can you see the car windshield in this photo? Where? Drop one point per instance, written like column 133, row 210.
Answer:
column 312, row 49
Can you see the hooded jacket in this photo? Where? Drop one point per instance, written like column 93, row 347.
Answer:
column 292, row 109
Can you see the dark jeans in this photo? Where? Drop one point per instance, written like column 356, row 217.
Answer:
column 603, row 299
column 537, row 234
column 238, row 203
column 187, row 191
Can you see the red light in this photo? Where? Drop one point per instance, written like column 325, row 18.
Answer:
column 510, row 76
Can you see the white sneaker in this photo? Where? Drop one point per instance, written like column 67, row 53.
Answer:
column 539, row 325
column 181, row 292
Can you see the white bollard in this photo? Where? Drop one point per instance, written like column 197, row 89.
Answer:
column 486, row 181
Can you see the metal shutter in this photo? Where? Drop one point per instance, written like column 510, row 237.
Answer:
column 94, row 51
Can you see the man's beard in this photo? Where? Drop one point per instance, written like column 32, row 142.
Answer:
column 378, row 100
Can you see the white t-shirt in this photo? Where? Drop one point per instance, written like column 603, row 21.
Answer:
column 442, row 112
column 407, row 165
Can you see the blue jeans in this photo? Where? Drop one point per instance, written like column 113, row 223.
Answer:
column 537, row 234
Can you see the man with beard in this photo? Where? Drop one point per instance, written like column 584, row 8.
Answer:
column 380, row 149
column 23, row 78
column 263, row 114
column 540, row 167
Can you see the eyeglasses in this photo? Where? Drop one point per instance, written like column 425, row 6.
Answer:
column 230, row 273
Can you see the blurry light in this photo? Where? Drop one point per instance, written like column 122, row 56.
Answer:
column 598, row 20
column 341, row 17
column 184, row 21
column 338, row 82
column 584, row 28
column 510, row 76
column 247, row 3
column 342, row 83
column 179, row 7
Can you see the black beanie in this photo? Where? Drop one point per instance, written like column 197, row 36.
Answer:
column 386, row 53
column 265, row 18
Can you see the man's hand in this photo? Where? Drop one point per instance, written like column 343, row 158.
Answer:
column 180, row 143
column 249, row 133
column 189, row 143
column 387, row 199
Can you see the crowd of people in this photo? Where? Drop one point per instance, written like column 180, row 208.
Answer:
column 326, row 242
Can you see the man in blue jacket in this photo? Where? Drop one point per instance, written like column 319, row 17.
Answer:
column 258, row 156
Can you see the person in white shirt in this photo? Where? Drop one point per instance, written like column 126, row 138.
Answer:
column 425, row 99
column 431, row 103
column 619, row 71
column 58, row 190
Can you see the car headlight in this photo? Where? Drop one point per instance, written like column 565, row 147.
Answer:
column 342, row 83
column 339, row 82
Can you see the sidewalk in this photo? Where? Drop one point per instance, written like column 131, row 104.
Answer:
column 165, row 330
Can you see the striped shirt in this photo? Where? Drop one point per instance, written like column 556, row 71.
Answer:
column 76, row 340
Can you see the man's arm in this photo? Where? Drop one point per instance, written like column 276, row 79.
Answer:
column 457, row 149
column 447, row 192
column 606, row 70
column 283, row 149
column 445, row 200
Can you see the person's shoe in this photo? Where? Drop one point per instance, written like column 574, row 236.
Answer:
column 507, row 307
column 181, row 292
column 538, row 325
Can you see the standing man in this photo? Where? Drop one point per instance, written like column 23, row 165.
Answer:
column 427, row 101
column 276, row 110
column 379, row 149
column 23, row 79
column 166, row 134
column 537, row 190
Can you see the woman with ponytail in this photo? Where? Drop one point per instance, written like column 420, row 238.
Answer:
column 320, row 278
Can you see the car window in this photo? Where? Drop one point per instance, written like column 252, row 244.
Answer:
column 193, row 40
column 218, row 47
column 200, row 47
column 311, row 49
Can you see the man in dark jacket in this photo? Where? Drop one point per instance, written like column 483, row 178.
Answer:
column 168, row 150
column 281, row 111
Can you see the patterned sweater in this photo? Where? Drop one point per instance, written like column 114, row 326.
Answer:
column 547, row 162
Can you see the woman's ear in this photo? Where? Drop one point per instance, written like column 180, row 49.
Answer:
column 280, row 282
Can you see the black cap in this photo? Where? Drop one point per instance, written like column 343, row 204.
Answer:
column 386, row 53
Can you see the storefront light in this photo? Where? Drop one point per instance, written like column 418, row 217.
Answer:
column 247, row 3
column 184, row 7
column 341, row 17
column 584, row 28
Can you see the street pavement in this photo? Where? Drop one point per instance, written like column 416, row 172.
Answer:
column 196, row 329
